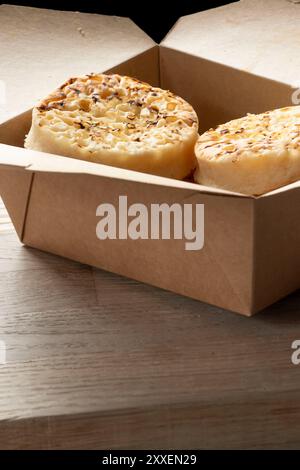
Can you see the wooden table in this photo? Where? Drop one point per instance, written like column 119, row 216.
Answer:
column 94, row 360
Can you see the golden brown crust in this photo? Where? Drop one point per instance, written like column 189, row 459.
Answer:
column 99, row 113
column 254, row 133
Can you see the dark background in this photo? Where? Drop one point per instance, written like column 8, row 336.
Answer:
column 156, row 17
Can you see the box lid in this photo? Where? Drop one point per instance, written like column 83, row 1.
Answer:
column 39, row 49
column 260, row 37
column 31, row 160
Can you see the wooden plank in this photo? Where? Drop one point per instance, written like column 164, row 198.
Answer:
column 5, row 222
column 97, row 360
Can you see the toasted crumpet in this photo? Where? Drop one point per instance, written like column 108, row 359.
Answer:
column 252, row 155
column 119, row 121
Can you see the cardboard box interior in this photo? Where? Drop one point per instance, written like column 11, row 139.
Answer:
column 251, row 255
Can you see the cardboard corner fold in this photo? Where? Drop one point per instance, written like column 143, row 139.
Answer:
column 15, row 190
column 276, row 248
column 144, row 66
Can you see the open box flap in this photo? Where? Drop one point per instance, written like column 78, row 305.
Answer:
column 20, row 158
column 39, row 51
column 260, row 37
column 31, row 160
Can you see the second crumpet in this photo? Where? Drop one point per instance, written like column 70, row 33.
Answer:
column 252, row 155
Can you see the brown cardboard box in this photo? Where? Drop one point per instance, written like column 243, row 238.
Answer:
column 226, row 62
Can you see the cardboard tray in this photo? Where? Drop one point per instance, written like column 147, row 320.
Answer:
column 251, row 254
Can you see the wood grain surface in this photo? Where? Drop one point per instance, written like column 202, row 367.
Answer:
column 94, row 360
